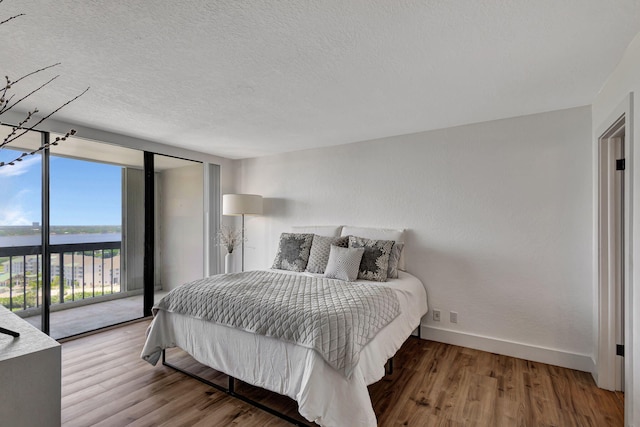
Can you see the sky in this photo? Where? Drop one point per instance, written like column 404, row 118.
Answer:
column 82, row 193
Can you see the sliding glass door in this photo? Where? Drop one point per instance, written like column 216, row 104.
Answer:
column 179, row 226
column 93, row 283
column 71, row 234
column 90, row 231
column 21, row 261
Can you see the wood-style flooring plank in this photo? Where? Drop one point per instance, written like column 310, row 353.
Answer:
column 106, row 384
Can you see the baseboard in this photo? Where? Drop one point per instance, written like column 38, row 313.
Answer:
column 580, row 362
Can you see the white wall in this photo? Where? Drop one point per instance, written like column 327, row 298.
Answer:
column 181, row 225
column 499, row 218
column 626, row 79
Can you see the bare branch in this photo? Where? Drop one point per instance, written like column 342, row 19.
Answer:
column 7, row 86
column 32, row 73
column 9, row 19
column 32, row 127
column 6, row 101
column 6, row 104
column 17, row 159
column 9, row 107
column 42, row 147
column 20, row 125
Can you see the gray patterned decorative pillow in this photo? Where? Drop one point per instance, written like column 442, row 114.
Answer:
column 344, row 263
column 375, row 261
column 394, row 259
column 293, row 251
column 320, row 248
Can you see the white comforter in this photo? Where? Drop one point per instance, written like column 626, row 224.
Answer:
column 323, row 394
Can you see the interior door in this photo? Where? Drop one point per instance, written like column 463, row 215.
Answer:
column 616, row 206
column 613, row 214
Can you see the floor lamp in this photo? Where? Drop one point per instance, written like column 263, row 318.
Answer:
column 241, row 204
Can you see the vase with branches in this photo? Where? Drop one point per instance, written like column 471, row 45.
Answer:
column 229, row 238
column 9, row 99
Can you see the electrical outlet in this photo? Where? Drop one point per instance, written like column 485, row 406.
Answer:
column 436, row 315
column 453, row 317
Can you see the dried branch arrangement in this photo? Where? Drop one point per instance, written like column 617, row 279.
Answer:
column 9, row 99
column 229, row 238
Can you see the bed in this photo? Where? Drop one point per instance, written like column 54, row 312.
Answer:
column 325, row 395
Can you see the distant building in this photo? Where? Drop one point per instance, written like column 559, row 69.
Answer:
column 96, row 270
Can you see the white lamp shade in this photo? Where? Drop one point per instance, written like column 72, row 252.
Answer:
column 241, row 204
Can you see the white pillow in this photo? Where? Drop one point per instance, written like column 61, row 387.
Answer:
column 344, row 263
column 378, row 234
column 320, row 250
column 320, row 230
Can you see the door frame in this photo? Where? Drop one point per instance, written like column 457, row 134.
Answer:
column 605, row 307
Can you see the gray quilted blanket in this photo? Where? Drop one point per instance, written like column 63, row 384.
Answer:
column 333, row 317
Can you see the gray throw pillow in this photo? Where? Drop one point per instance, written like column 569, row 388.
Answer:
column 320, row 248
column 394, row 259
column 293, row 251
column 344, row 263
column 375, row 261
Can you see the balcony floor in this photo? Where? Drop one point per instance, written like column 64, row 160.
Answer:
column 77, row 320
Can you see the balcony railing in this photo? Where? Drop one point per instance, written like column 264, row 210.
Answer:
column 78, row 271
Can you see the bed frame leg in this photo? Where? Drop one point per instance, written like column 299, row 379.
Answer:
column 230, row 390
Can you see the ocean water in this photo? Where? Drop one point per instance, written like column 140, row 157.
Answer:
column 59, row 239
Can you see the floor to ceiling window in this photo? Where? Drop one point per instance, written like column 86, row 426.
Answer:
column 81, row 234
column 93, row 267
column 87, row 291
column 74, row 230
column 21, row 284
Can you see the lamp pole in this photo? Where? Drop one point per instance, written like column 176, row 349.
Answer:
column 242, row 242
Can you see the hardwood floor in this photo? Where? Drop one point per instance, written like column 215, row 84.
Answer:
column 105, row 383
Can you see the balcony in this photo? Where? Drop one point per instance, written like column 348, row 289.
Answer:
column 82, row 274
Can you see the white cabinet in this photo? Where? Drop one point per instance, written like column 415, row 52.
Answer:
column 30, row 369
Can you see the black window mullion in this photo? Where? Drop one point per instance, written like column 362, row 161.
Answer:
column 46, row 254
column 149, row 232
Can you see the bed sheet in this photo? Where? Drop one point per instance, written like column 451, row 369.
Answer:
column 324, row 396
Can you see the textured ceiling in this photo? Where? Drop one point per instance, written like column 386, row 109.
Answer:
column 244, row 78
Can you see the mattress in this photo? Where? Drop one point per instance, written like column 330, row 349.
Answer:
column 323, row 394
